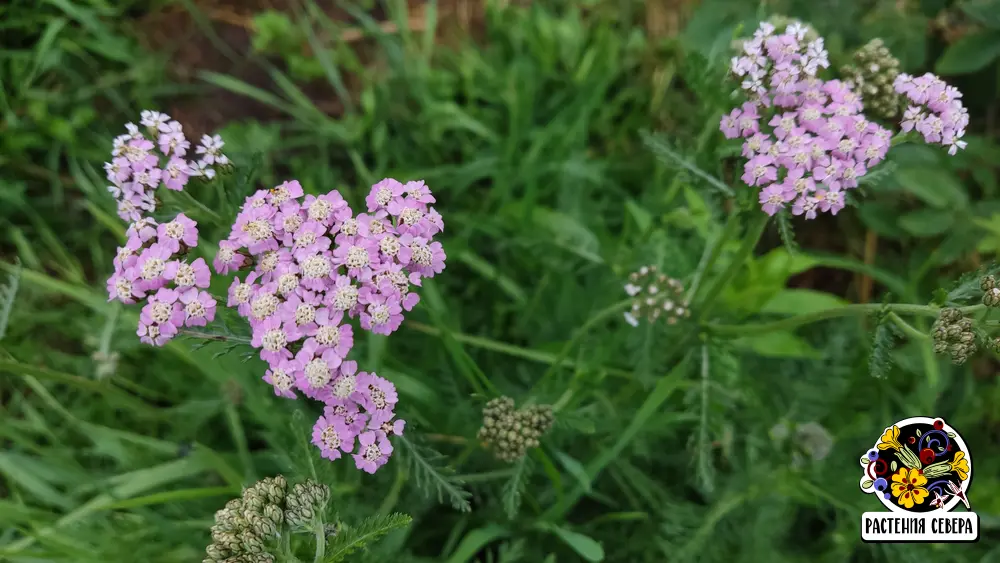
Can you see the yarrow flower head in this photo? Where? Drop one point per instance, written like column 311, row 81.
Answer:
column 805, row 139
column 143, row 160
column 152, row 267
column 655, row 295
column 772, row 64
column 935, row 110
column 314, row 265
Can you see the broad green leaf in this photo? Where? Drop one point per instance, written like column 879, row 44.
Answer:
column 576, row 469
column 934, row 186
column 986, row 12
column 29, row 475
column 969, row 54
column 641, row 216
column 570, row 234
column 778, row 345
column 475, row 541
column 927, row 222
column 585, row 546
column 801, row 302
column 779, row 263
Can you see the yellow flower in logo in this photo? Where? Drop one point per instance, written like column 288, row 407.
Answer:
column 890, row 439
column 960, row 465
column 908, row 486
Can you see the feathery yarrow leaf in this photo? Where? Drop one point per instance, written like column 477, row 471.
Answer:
column 786, row 231
column 659, row 146
column 428, row 476
column 884, row 340
column 513, row 489
column 350, row 539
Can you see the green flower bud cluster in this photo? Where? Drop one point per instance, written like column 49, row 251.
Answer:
column 512, row 432
column 304, row 501
column 991, row 293
column 954, row 334
column 871, row 75
column 655, row 295
column 245, row 526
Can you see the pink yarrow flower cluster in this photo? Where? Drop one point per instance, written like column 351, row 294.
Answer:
column 806, row 140
column 771, row 65
column 314, row 264
column 151, row 267
column 936, row 110
column 144, row 160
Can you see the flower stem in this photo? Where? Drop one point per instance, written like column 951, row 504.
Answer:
column 754, row 231
column 845, row 311
column 320, row 532
column 602, row 315
column 732, row 223
column 907, row 328
column 214, row 336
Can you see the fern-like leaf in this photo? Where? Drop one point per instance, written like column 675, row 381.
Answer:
column 719, row 368
column 967, row 285
column 880, row 357
column 513, row 489
column 7, row 294
column 787, row 232
column 875, row 177
column 349, row 540
column 661, row 148
column 429, row 476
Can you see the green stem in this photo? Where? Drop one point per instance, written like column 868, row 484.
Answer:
column 320, row 532
column 907, row 328
column 732, row 223
column 607, row 312
column 285, row 546
column 931, row 368
column 563, row 400
column 845, row 311
column 754, row 231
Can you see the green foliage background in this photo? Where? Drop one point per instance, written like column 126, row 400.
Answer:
column 532, row 141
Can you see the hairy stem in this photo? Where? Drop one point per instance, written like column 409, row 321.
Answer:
column 215, row 337
column 845, row 311
column 908, row 329
column 320, row 531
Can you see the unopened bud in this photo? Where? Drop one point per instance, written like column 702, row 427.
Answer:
column 216, row 552
column 262, row 527
column 250, row 542
column 987, row 283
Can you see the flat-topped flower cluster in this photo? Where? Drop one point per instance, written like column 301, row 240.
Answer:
column 817, row 143
column 313, row 265
column 152, row 265
column 935, row 110
column 139, row 166
column 807, row 140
